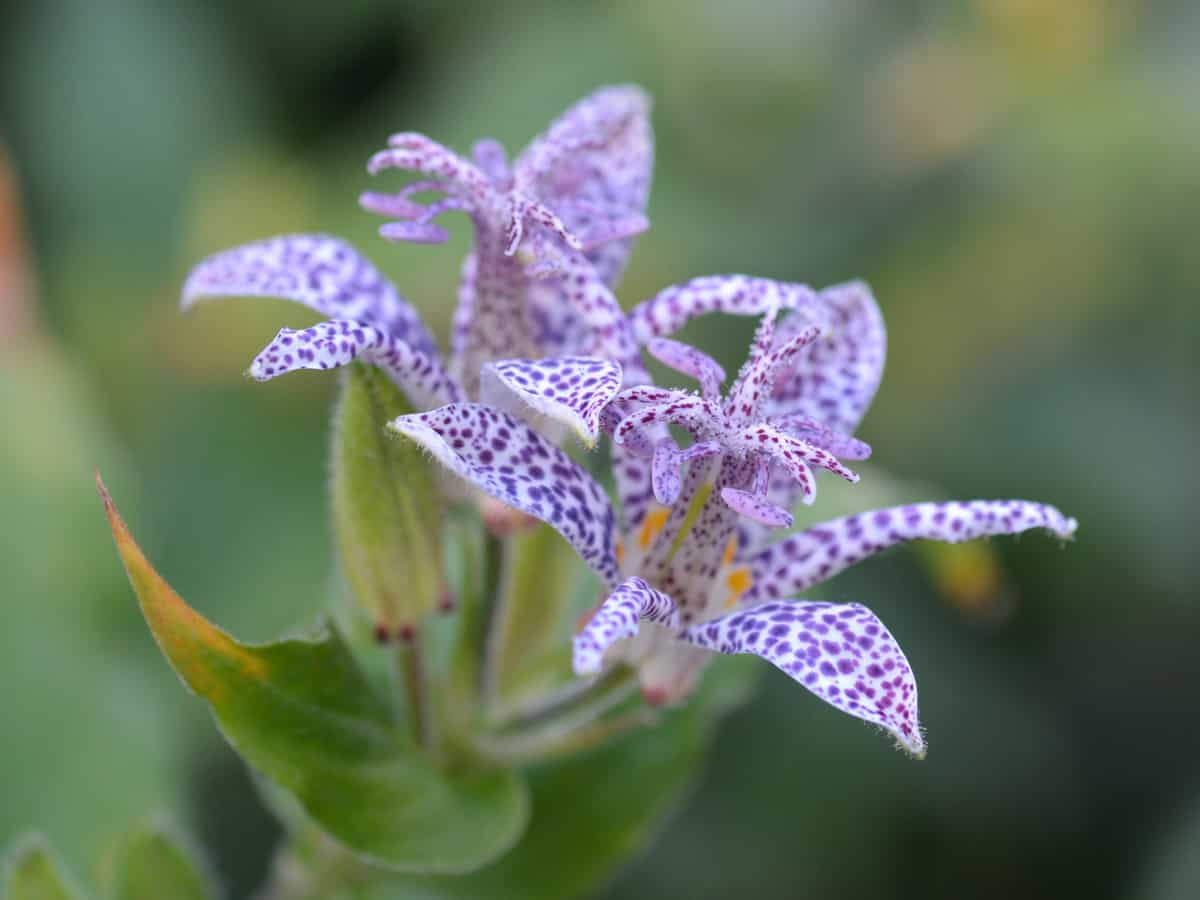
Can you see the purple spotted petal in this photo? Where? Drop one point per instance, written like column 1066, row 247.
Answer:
column 592, row 166
column 793, row 454
column 697, row 415
column 507, row 459
column 323, row 273
column 617, row 618
column 768, row 359
column 835, row 379
column 671, row 309
column 842, row 653
column 689, row 361
column 811, row 556
column 573, row 390
column 756, row 508
column 667, row 466
column 602, row 324
column 414, row 152
column 332, row 344
column 820, row 435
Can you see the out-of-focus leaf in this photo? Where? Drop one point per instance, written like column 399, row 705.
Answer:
column 301, row 712
column 33, row 872
column 531, row 649
column 593, row 812
column 154, row 863
column 387, row 507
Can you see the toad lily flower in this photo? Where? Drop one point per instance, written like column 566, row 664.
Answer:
column 577, row 194
column 574, row 198
column 681, row 581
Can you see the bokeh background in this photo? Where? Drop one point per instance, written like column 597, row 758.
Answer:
column 1018, row 180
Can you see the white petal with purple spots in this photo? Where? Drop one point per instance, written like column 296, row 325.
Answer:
column 671, row 309
column 323, row 273
column 572, row 390
column 842, row 653
column 329, row 345
column 835, row 379
column 820, row 552
column 507, row 459
column 617, row 618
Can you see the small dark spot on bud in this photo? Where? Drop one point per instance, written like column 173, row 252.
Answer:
column 381, row 634
column 406, row 633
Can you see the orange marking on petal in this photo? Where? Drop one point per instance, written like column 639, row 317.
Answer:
column 653, row 525
column 730, row 549
column 738, row 581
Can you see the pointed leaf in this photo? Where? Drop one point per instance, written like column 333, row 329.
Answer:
column 32, row 871
column 386, row 505
column 301, row 712
column 154, row 862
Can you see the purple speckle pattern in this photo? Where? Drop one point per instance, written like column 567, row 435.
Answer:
column 562, row 216
column 593, row 167
column 730, row 426
column 818, row 553
column 321, row 272
column 691, row 362
column 507, row 459
column 336, row 343
column 842, row 653
column 666, row 466
column 836, row 378
column 573, row 390
column 671, row 309
column 618, row 617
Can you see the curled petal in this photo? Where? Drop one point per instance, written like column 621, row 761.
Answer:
column 741, row 295
column 691, row 362
column 414, row 233
column 792, row 453
column 399, row 204
column 820, row 435
column 667, row 466
column 697, row 415
column 507, row 459
column 757, row 508
column 329, row 345
column 811, row 556
column 835, row 380
column 618, row 617
column 842, row 653
column 414, row 152
column 323, row 273
column 573, row 390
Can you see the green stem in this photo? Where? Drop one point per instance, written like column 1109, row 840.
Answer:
column 491, row 618
column 411, row 662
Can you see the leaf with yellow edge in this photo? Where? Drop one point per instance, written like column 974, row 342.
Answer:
column 301, row 712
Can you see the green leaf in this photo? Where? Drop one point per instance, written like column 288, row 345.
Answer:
column 33, row 872
column 591, row 813
column 301, row 713
column 387, row 507
column 154, row 863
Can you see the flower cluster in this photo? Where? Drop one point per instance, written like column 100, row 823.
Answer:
column 687, row 554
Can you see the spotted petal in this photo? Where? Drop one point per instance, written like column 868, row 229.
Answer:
column 835, row 379
column 593, row 166
column 507, row 459
column 742, row 295
column 329, row 345
column 618, row 617
column 811, row 556
column 572, row 390
column 842, row 653
column 323, row 273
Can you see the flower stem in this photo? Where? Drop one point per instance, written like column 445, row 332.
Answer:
column 411, row 663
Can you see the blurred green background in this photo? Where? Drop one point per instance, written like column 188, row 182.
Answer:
column 1019, row 181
